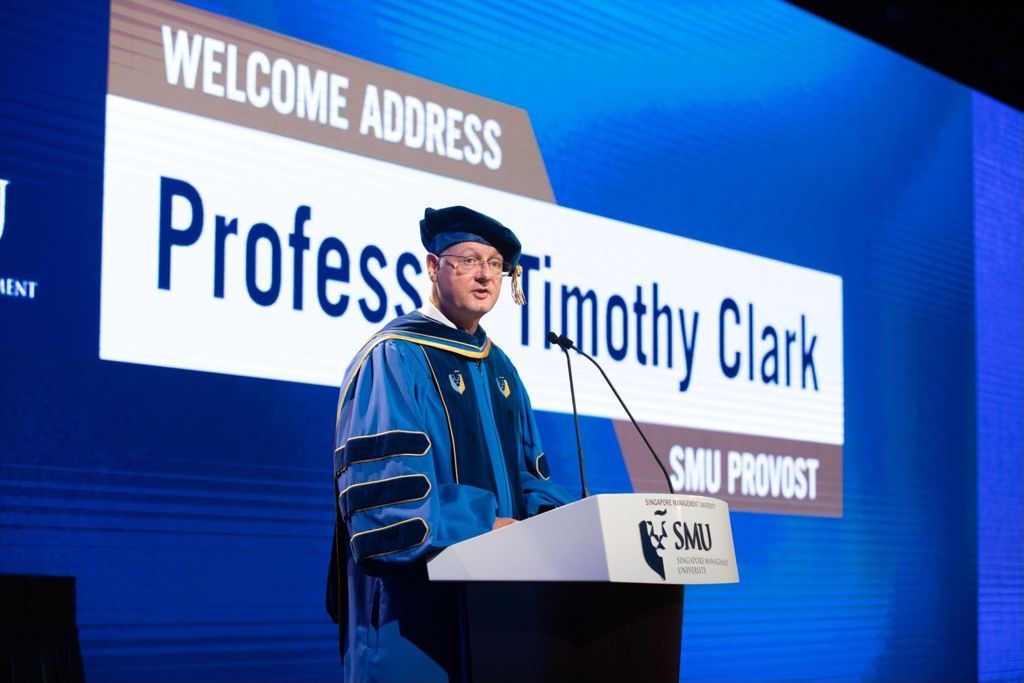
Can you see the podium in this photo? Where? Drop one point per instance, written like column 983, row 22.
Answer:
column 589, row 591
column 38, row 629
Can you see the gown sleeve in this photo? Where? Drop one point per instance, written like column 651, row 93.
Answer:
column 539, row 492
column 394, row 497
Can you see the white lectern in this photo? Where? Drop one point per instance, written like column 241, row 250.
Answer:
column 589, row 591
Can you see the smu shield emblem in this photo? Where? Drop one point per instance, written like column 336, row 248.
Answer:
column 652, row 542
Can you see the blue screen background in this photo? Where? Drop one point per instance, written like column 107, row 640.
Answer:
column 195, row 509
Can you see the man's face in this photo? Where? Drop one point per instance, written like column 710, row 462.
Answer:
column 465, row 294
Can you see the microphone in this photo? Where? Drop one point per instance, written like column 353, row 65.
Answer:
column 561, row 342
column 565, row 343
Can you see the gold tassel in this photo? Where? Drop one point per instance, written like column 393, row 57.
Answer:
column 517, row 291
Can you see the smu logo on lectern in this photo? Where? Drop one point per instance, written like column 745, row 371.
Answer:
column 653, row 533
column 652, row 540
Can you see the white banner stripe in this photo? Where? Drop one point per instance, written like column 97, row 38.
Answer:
column 256, row 177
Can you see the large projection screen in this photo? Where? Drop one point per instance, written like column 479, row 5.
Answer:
column 795, row 252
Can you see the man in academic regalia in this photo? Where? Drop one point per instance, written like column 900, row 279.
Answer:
column 435, row 443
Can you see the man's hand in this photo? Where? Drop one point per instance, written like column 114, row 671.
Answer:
column 503, row 521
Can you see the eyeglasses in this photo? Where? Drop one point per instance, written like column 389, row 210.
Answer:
column 470, row 263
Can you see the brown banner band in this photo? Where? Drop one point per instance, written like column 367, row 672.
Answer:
column 193, row 61
column 751, row 473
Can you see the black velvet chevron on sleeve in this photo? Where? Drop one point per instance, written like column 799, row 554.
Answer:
column 391, row 491
column 376, row 446
column 390, row 539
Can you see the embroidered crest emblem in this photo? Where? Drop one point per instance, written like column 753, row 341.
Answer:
column 503, row 386
column 458, row 383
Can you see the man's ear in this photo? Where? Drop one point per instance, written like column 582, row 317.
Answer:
column 432, row 263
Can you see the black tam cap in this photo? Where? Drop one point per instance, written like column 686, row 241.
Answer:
column 441, row 228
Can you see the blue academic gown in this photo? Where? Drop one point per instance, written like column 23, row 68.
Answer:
column 435, row 439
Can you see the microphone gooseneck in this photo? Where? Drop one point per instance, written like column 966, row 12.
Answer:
column 565, row 343
column 560, row 342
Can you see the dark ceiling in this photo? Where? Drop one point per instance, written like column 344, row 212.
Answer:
column 980, row 44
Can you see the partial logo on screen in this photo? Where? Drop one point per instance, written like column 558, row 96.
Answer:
column 3, row 204
column 652, row 539
column 16, row 288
